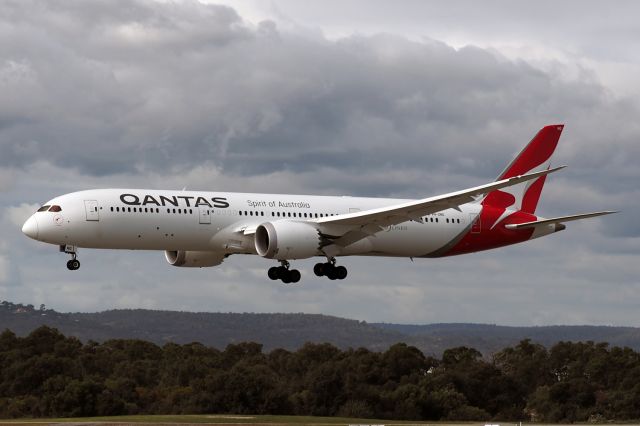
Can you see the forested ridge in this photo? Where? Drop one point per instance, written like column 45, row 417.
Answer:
column 49, row 374
column 292, row 330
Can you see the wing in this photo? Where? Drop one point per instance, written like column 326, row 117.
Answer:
column 359, row 225
column 556, row 220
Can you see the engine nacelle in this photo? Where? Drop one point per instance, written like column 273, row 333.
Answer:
column 284, row 240
column 193, row 259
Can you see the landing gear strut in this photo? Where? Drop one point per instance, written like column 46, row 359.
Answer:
column 330, row 270
column 283, row 273
column 74, row 263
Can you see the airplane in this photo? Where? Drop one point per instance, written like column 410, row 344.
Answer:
column 201, row 229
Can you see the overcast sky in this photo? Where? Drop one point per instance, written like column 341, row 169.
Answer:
column 363, row 98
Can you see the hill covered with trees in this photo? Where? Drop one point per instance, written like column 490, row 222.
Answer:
column 291, row 331
column 48, row 374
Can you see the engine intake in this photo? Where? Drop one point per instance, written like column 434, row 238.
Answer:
column 193, row 259
column 284, row 240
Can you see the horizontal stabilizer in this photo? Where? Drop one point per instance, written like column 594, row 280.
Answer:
column 556, row 220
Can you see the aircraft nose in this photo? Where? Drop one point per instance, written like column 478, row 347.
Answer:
column 30, row 227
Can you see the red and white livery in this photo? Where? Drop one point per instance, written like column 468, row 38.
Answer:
column 199, row 228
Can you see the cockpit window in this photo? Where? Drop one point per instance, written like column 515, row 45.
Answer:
column 43, row 208
column 55, row 209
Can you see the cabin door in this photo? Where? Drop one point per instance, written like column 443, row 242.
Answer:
column 205, row 215
column 91, row 210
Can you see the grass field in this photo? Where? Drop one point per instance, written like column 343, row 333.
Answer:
column 230, row 419
column 238, row 420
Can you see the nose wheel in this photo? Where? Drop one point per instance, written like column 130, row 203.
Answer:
column 283, row 273
column 74, row 263
column 330, row 270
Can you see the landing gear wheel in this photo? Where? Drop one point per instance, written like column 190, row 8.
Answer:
column 286, row 276
column 73, row 265
column 341, row 272
column 331, row 272
column 283, row 273
column 319, row 269
column 274, row 272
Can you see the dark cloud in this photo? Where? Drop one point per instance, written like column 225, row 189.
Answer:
column 153, row 94
column 111, row 87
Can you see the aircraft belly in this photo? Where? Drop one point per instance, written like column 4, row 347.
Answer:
column 144, row 234
column 410, row 239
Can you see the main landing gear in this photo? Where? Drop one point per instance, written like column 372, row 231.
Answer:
column 74, row 263
column 330, row 270
column 283, row 273
column 287, row 275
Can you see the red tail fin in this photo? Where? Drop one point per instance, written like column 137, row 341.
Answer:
column 534, row 157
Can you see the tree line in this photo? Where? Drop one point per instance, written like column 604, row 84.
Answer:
column 47, row 374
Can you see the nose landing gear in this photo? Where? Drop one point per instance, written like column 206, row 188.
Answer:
column 283, row 273
column 330, row 270
column 74, row 263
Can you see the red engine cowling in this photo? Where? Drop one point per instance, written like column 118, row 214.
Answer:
column 285, row 240
column 193, row 259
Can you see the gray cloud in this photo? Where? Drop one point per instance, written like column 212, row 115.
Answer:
column 178, row 84
column 148, row 94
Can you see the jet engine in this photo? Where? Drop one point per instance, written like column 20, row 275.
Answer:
column 193, row 259
column 285, row 240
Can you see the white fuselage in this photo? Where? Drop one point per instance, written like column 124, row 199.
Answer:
column 217, row 221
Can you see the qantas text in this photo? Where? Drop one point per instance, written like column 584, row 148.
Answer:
column 173, row 200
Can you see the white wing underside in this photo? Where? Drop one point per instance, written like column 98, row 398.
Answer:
column 352, row 227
